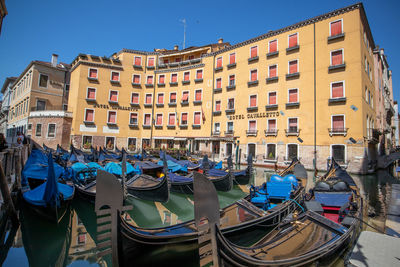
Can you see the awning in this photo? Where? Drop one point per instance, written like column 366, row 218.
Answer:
column 180, row 138
column 163, row 138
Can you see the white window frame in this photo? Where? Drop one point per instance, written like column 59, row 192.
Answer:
column 184, row 76
column 194, row 115
column 276, row 93
column 201, row 90
column 158, row 94
column 162, row 119
column 133, row 78
column 298, row 66
column 219, row 124
column 330, row 23
column 108, row 116
column 134, row 60
column 233, row 125
column 255, row 148
column 175, row 118
column 250, row 75
column 127, row 142
column 41, row 129
column 344, row 120
column 287, row 150
column 269, row 68
column 97, row 73
column 148, row 59
column 55, row 130
column 227, row 103
column 340, row 49
column 119, row 76
column 277, row 47
column 298, row 38
column 177, row 77
column 105, row 141
column 147, row 77
column 144, row 119
column 137, row 120
column 95, row 93
column 250, row 100
column 229, row 79
column 298, row 122
column 248, row 125
column 83, row 137
column 187, row 121
column 132, row 97
column 266, row 151
column 94, row 114
column 159, row 78
column 344, row 88
column 40, row 74
column 345, row 151
column 256, row 46
column 145, row 97
column 109, row 94
column 276, row 123
column 298, row 95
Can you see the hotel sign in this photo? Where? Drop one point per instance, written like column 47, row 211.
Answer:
column 104, row 106
column 254, row 115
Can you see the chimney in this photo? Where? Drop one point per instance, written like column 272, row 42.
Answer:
column 176, row 47
column 54, row 59
column 220, row 40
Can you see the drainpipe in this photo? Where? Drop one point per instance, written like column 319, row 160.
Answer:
column 315, row 109
column 212, row 106
column 152, row 107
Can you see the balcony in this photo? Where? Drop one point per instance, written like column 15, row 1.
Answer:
column 252, row 59
column 136, row 84
column 337, row 67
column 147, row 105
column 93, row 79
column 229, row 110
column 197, row 102
column 174, row 64
column 135, row 104
column 146, row 126
column 217, row 90
column 231, row 87
column 218, row 68
column 113, row 102
column 185, row 62
column 172, row 104
column 293, row 75
column 160, row 84
column 251, row 132
column 184, row 103
column 196, row 126
column 158, row 126
column 194, row 61
column 293, row 48
column 372, row 135
column 336, row 37
column 337, row 100
column 171, row 126
column 229, row 133
column 137, row 66
column 252, row 83
column 232, row 65
column 114, row 81
column 271, row 54
column 149, row 85
column 216, row 133
column 183, row 125
column 250, row 109
column 133, row 125
column 162, row 66
column 185, row 82
column 198, row 80
column 88, row 122
column 112, row 124
column 271, row 132
column 272, row 79
column 293, row 105
column 91, row 99
column 150, row 67
column 292, row 132
column 338, row 131
column 173, row 83
column 217, row 113
column 269, row 107
column 160, row 105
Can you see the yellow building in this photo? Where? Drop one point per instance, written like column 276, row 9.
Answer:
column 305, row 90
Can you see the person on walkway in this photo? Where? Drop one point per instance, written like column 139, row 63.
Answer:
column 3, row 142
column 20, row 139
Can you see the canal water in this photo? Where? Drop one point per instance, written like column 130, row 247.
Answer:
column 73, row 242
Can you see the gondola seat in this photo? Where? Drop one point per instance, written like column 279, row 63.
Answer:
column 314, row 206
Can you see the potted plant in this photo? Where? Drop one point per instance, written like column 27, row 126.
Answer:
column 131, row 147
column 87, row 145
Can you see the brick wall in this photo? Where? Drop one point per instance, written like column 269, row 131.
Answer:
column 62, row 135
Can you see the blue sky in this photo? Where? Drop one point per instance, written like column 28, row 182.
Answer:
column 33, row 30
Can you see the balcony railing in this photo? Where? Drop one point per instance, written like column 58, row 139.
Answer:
column 338, row 131
column 216, row 133
column 251, row 132
column 373, row 135
column 292, row 132
column 271, row 132
column 229, row 133
column 47, row 107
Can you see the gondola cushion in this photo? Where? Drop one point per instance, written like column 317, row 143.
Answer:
column 35, row 196
column 314, row 206
column 279, row 190
column 331, row 199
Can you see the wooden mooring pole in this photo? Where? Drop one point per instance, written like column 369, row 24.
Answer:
column 5, row 192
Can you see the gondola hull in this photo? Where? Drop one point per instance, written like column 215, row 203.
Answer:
column 182, row 187
column 158, row 192
column 222, row 183
column 242, row 178
column 88, row 194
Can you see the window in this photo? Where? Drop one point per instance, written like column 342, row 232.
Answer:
column 218, row 83
column 229, row 126
column 171, row 119
column 150, row 63
column 271, row 151
column 161, row 79
column 293, row 40
column 186, row 76
column 148, row 99
column 253, row 101
column 293, row 96
column 91, row 93
column 272, row 71
column 217, row 127
column 160, row 98
column 272, row 98
column 178, row 59
column 51, row 130
column 337, row 89
column 335, row 27
column 337, row 57
column 231, row 103
column 185, row 96
column 131, row 143
column 40, row 104
column 159, row 119
column 232, row 58
column 136, row 79
column 218, row 105
column 199, row 74
column 231, row 80
column 293, row 68
column 338, row 123
column 133, row 118
column 271, row 125
column 273, row 46
column 38, row 129
column 292, row 150
column 191, row 57
column 174, row 78
column 197, row 96
column 87, row 141
column 253, row 75
column 112, row 117
column 147, row 119
column 166, row 61
column 43, row 79
column 229, row 149
column 292, row 125
column 138, row 61
column 110, row 142
column 29, row 126
column 252, row 126
column 219, row 62
column 81, row 239
column 135, row 98
column 115, row 76
column 172, row 97
column 93, row 73
column 113, row 96
column 149, row 79
column 89, row 115
column 184, row 117
column 197, row 118
column 253, row 51
column 339, row 153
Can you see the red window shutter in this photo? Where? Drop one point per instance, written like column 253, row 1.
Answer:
column 166, row 61
column 114, row 96
column 174, row 78
column 173, row 97
column 112, row 116
column 199, row 74
column 93, row 73
column 232, row 79
column 336, row 28
column 135, row 98
column 159, row 119
column 197, row 118
column 218, row 106
column 273, row 46
column 147, row 119
column 89, row 115
column 293, row 96
column 148, row 99
column 136, row 79
column 91, row 93
column 185, row 96
column 138, row 61
column 293, row 66
column 252, row 125
column 151, row 62
column 178, row 59
column 186, row 77
column 219, row 83
column 149, row 79
column 253, row 101
column 191, row 57
column 171, row 119
column 198, row 95
column 337, row 57
column 253, row 75
column 338, row 122
column 160, row 99
column 292, row 123
column 162, row 79
column 115, row 76
column 219, row 62
column 271, row 124
column 272, row 98
column 184, row 117
column 232, row 58
column 272, row 71
column 254, row 51
column 337, row 90
column 293, row 40
column 134, row 116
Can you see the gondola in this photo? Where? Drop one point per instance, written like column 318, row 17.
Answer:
column 50, row 199
column 241, row 216
column 84, row 179
column 330, row 224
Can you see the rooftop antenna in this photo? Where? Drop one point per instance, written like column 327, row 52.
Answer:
column 184, row 32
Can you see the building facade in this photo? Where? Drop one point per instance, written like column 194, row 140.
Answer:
column 38, row 102
column 5, row 106
column 306, row 90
